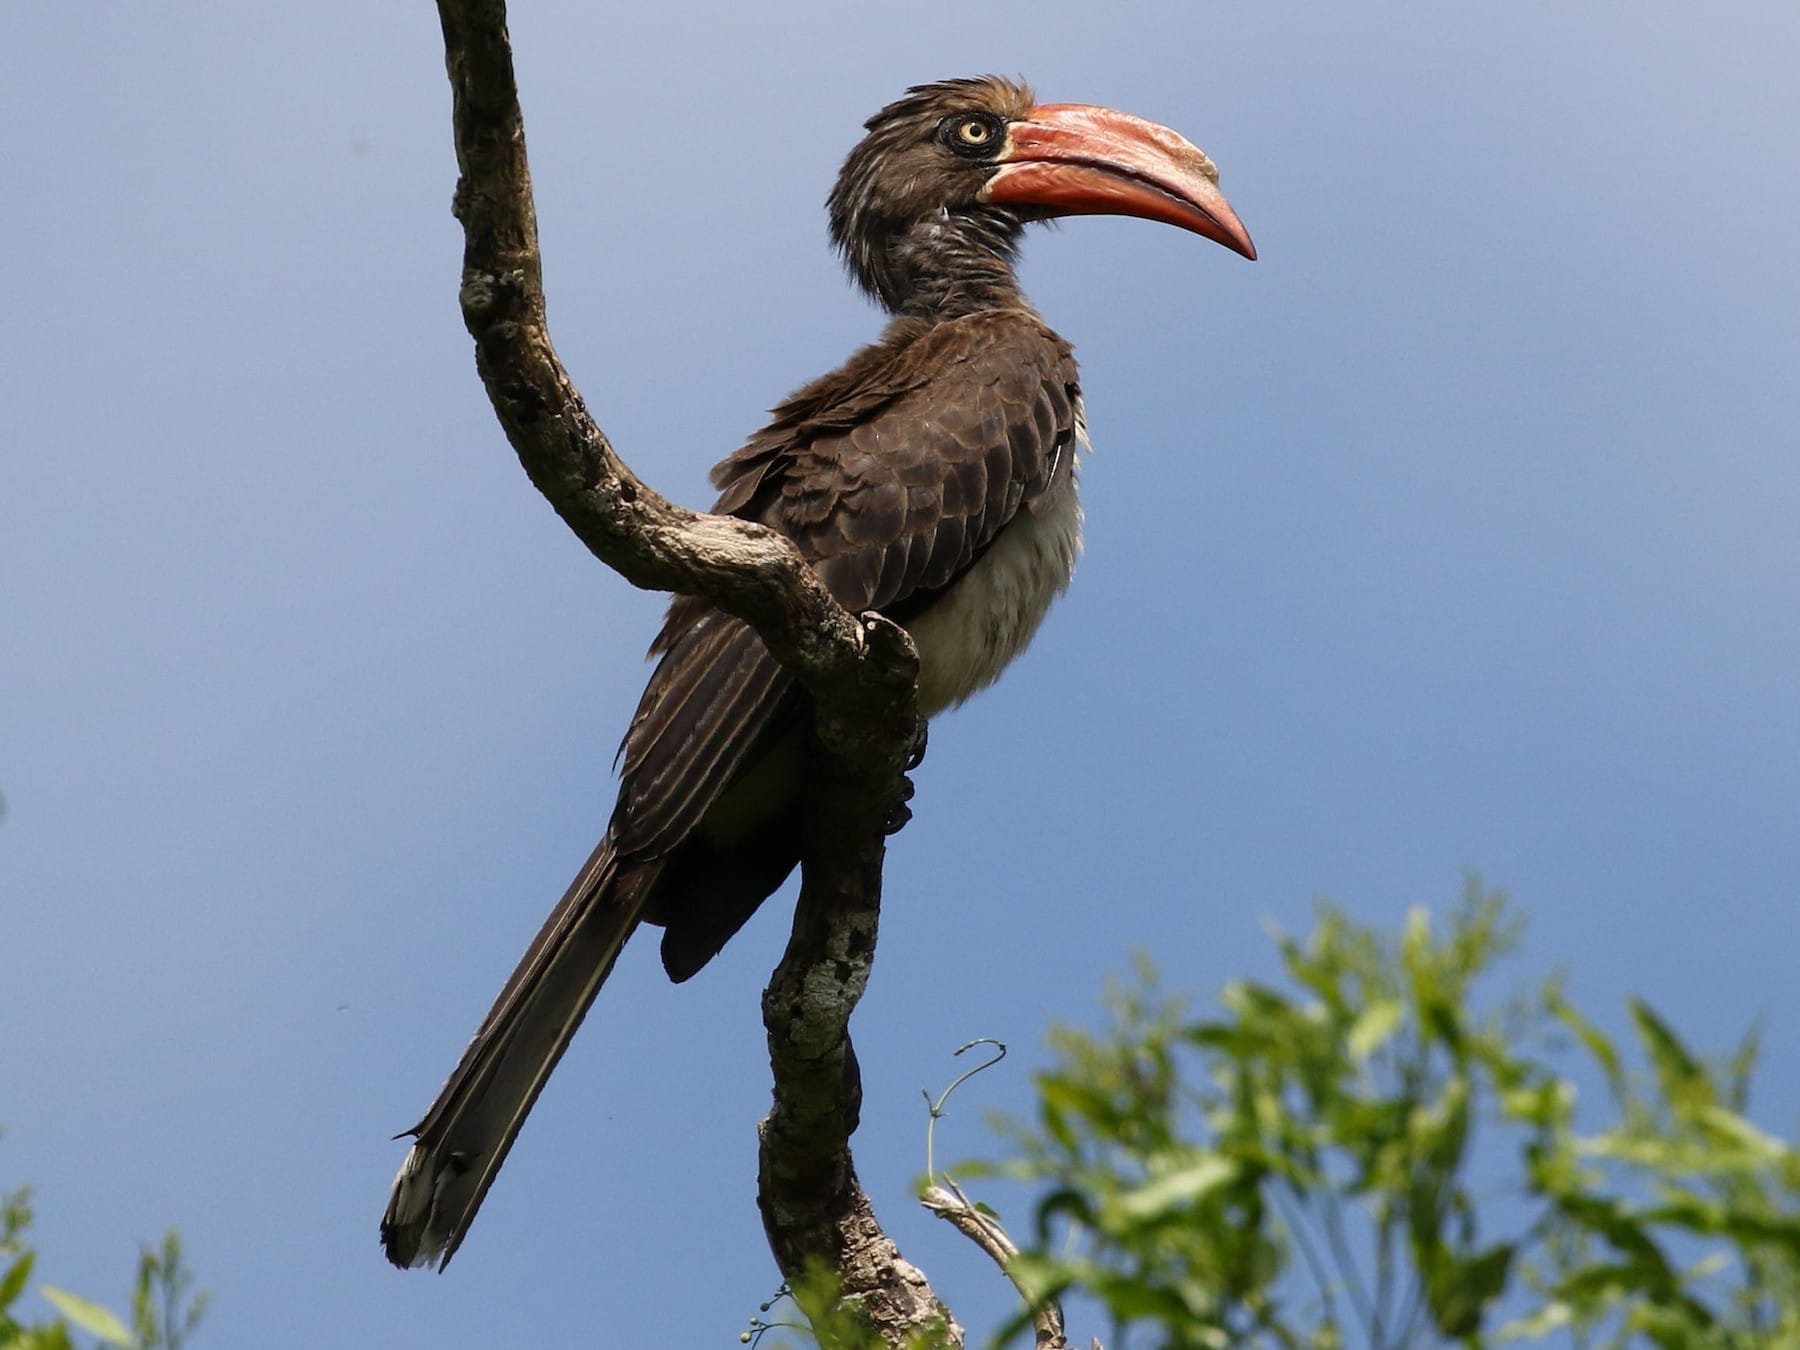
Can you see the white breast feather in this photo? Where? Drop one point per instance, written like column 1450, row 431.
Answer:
column 967, row 638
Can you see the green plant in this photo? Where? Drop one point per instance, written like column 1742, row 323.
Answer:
column 164, row 1310
column 1373, row 1154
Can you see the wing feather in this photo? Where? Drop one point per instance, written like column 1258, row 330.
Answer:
column 892, row 476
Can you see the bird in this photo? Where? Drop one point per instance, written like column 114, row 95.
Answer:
column 931, row 479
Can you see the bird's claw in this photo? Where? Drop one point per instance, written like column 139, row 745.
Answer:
column 900, row 812
column 916, row 756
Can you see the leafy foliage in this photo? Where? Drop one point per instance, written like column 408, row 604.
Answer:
column 1302, row 1170
column 827, row 1319
column 163, row 1309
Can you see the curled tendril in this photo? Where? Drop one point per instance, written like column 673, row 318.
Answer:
column 936, row 1109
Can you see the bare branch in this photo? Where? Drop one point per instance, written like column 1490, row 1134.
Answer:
column 861, row 672
column 748, row 570
column 950, row 1204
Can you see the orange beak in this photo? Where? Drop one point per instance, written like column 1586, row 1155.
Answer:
column 1074, row 159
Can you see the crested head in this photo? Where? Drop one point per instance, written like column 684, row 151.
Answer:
column 929, row 205
column 923, row 161
column 907, row 168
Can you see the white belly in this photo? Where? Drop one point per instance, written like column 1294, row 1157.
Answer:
column 967, row 638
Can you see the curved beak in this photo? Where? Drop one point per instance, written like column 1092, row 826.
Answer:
column 1074, row 159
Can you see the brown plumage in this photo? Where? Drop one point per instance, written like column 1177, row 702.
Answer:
column 930, row 478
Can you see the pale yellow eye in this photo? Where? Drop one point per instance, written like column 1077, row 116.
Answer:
column 974, row 132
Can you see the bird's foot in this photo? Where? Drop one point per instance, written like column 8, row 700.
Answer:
column 901, row 812
column 916, row 756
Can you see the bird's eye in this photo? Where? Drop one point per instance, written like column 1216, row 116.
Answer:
column 970, row 134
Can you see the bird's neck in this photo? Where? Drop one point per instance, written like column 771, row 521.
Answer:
column 945, row 266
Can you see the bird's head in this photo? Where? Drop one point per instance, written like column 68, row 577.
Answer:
column 955, row 169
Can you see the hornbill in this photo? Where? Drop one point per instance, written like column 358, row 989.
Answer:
column 931, row 478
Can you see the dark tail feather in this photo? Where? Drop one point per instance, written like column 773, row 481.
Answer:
column 464, row 1138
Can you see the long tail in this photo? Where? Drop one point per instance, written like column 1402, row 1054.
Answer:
column 466, row 1134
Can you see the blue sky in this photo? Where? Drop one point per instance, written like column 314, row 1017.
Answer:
column 1462, row 530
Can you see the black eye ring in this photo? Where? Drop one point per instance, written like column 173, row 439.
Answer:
column 972, row 135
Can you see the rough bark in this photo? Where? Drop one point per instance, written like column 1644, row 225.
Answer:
column 860, row 670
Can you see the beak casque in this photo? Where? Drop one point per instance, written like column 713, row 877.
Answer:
column 1071, row 159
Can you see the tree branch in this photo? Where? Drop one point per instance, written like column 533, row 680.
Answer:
column 745, row 569
column 860, row 670
column 814, row 1210
column 950, row 1204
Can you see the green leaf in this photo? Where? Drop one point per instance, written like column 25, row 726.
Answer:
column 1177, row 1190
column 1460, row 1296
column 1373, row 1027
column 1624, row 1230
column 1683, row 1081
column 1553, row 1316
column 1596, row 1041
column 13, row 1284
column 1547, row 1103
column 1729, row 1127
column 1595, row 1284
column 89, row 1316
